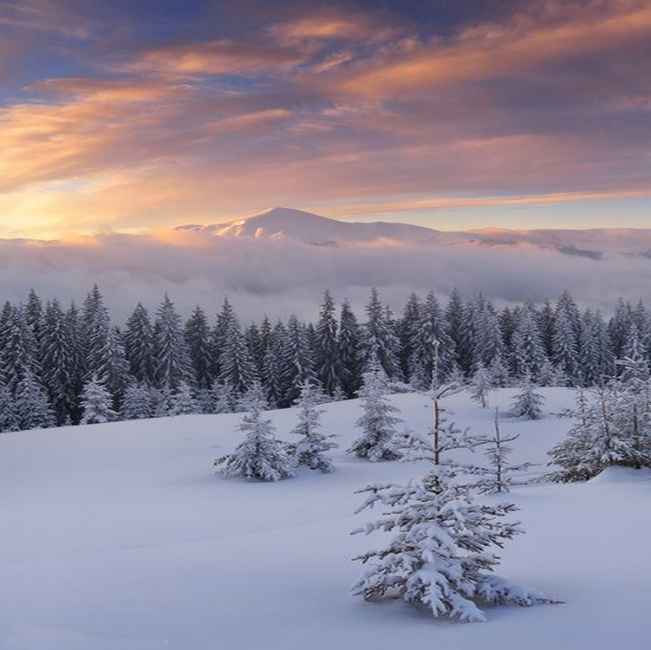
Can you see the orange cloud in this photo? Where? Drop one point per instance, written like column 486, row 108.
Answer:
column 214, row 58
column 490, row 51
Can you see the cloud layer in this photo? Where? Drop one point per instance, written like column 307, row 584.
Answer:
column 278, row 277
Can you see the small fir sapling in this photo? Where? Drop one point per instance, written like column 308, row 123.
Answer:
column 312, row 446
column 528, row 402
column 481, row 385
column 260, row 456
column 96, row 403
column 378, row 421
column 499, row 476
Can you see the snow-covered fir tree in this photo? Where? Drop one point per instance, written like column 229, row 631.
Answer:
column 183, row 401
column 139, row 345
column 312, row 447
column 138, row 402
column 197, row 339
column 430, row 328
column 499, row 475
column 327, row 352
column 441, row 551
column 172, row 364
column 527, row 352
column 223, row 399
column 379, row 421
column 481, row 385
column 56, row 355
column 9, row 418
column 379, row 339
column 528, row 402
column 32, row 407
column 260, row 456
column 96, row 403
column 299, row 364
column 236, row 365
column 350, row 351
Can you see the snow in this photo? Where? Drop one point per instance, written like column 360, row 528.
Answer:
column 121, row 537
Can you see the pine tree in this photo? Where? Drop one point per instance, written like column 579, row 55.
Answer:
column 31, row 403
column 310, row 450
column 225, row 320
column 197, row 339
column 171, row 354
column 183, row 401
column 274, row 371
column 459, row 331
column 565, row 346
column 327, row 353
column 299, row 365
column 95, row 333
column 430, row 330
column 260, row 456
column 380, row 341
column 236, row 366
column 499, row 476
column 139, row 345
column 440, row 553
column 481, row 385
column 96, row 403
column 499, row 372
column 19, row 351
column 34, row 316
column 528, row 402
column 223, row 398
column 56, row 356
column 407, row 333
column 117, row 372
column 9, row 419
column 528, row 353
column 378, row 422
column 138, row 402
column 611, row 428
column 350, row 351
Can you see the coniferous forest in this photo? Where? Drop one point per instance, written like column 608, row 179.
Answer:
column 65, row 365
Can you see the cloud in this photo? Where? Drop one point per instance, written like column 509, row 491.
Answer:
column 216, row 57
column 280, row 277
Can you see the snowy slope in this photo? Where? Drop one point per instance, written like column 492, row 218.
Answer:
column 120, row 537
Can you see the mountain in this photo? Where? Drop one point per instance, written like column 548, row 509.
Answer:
column 306, row 227
column 287, row 223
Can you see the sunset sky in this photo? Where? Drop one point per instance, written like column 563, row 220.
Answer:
column 127, row 116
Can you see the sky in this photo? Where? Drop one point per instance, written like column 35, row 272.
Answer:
column 129, row 117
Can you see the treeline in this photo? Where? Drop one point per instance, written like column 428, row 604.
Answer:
column 157, row 365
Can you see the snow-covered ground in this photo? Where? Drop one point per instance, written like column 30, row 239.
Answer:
column 121, row 537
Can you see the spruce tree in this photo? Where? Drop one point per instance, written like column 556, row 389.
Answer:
column 379, row 339
column 137, row 403
column 527, row 350
column 481, row 385
column 236, row 366
column 139, row 345
column 310, row 451
column 56, row 362
column 528, row 402
column 197, row 339
column 499, row 475
column 350, row 351
column 96, row 403
column 31, row 403
column 260, row 456
column 378, row 423
column 299, row 364
column 430, row 329
column 441, row 550
column 183, row 401
column 9, row 418
column 171, row 354
column 327, row 353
